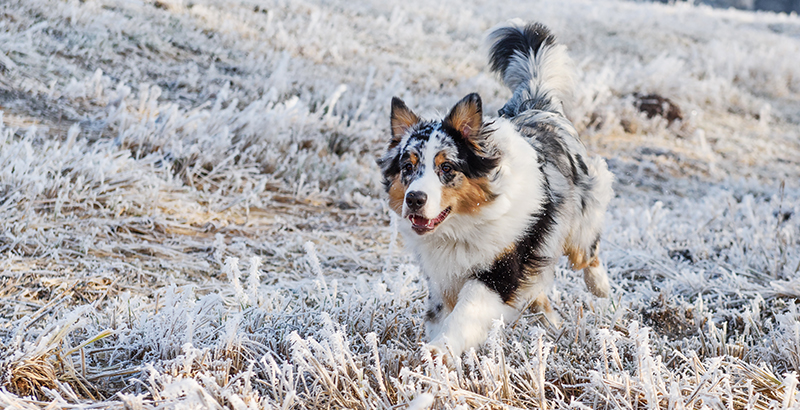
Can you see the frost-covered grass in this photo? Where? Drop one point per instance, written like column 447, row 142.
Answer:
column 192, row 217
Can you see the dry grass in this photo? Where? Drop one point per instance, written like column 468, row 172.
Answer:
column 192, row 217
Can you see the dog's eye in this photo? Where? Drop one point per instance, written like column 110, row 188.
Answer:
column 446, row 168
column 408, row 167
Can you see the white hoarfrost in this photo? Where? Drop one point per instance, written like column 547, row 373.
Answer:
column 149, row 146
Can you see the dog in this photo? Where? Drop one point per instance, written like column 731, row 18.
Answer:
column 489, row 206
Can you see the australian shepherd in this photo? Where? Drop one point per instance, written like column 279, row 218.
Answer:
column 488, row 206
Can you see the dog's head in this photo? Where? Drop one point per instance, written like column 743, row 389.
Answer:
column 435, row 169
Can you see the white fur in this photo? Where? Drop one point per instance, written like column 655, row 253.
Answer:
column 596, row 280
column 550, row 72
column 429, row 184
column 468, row 324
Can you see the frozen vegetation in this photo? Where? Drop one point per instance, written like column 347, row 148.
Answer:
column 192, row 216
column 785, row 6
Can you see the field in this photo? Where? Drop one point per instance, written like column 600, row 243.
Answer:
column 192, row 216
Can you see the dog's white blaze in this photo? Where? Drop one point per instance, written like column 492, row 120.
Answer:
column 428, row 183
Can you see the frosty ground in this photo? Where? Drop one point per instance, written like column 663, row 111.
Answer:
column 192, row 216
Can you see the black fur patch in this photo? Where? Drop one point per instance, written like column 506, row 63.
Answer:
column 433, row 313
column 582, row 164
column 584, row 182
column 390, row 166
column 423, row 131
column 539, row 104
column 550, row 145
column 513, row 40
column 471, row 163
column 595, row 247
column 512, row 269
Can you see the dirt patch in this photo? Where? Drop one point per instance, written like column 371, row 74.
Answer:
column 670, row 319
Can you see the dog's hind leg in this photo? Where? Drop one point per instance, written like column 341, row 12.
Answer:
column 596, row 278
column 594, row 274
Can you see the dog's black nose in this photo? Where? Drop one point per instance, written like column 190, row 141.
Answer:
column 416, row 200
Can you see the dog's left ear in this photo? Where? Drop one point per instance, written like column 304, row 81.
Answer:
column 466, row 117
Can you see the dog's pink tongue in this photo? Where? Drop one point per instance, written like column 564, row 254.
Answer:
column 420, row 221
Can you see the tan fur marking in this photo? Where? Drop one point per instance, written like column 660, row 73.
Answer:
column 469, row 196
column 397, row 193
column 439, row 159
column 466, row 118
column 505, row 252
column 450, row 298
column 402, row 120
column 577, row 258
column 413, row 158
column 542, row 304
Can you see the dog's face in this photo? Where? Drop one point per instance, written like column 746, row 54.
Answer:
column 433, row 170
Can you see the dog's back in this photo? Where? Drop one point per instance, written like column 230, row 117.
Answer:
column 540, row 73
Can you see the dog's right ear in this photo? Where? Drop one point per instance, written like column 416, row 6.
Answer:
column 402, row 119
column 466, row 117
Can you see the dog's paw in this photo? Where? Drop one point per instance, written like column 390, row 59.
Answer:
column 553, row 318
column 438, row 351
column 542, row 306
column 596, row 280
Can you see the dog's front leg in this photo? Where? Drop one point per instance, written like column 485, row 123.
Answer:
column 468, row 324
column 437, row 311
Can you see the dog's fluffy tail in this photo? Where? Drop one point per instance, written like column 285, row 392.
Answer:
column 533, row 66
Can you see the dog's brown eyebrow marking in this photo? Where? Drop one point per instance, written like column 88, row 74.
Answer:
column 440, row 159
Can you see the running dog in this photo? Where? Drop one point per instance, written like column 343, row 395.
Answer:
column 489, row 205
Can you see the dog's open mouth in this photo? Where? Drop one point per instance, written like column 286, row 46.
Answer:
column 421, row 225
